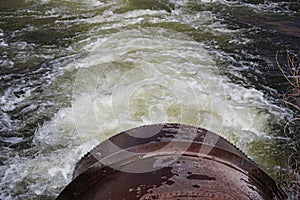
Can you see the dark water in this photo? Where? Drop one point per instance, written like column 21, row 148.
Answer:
column 68, row 66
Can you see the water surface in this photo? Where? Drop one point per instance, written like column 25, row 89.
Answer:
column 76, row 72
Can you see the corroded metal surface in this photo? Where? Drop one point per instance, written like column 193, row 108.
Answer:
column 177, row 162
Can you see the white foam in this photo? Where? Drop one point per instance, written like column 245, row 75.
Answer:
column 181, row 68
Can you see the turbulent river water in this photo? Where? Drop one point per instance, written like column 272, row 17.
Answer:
column 74, row 72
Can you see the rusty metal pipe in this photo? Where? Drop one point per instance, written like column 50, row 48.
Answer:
column 168, row 161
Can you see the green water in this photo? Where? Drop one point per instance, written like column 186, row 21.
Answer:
column 75, row 72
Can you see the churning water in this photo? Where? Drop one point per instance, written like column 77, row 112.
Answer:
column 75, row 72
